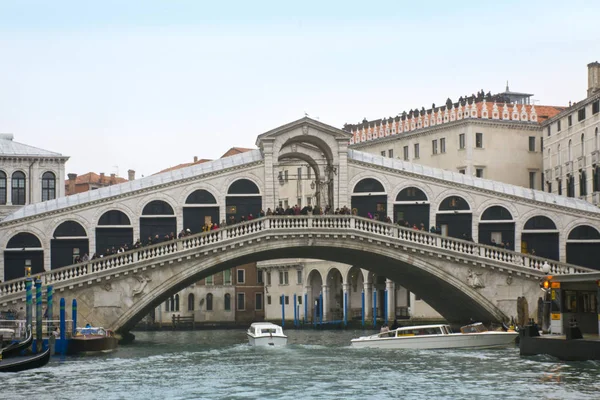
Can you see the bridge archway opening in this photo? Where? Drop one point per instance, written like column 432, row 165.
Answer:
column 369, row 199
column 114, row 229
column 335, row 295
column 356, row 284
column 158, row 221
column 540, row 237
column 314, row 284
column 497, row 228
column 411, row 208
column 22, row 249
column 243, row 200
column 583, row 247
column 310, row 185
column 200, row 209
column 69, row 242
column 455, row 218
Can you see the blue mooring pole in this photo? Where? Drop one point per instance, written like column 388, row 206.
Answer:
column 374, row 308
column 345, row 308
column 74, row 315
column 305, row 307
column 38, row 316
column 321, row 308
column 295, row 312
column 50, row 305
column 362, row 308
column 282, row 311
column 385, row 306
column 28, row 302
column 63, row 327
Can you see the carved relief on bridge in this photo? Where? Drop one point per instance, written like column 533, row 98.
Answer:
column 474, row 279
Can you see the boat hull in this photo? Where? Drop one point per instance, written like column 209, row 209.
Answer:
column 91, row 345
column 23, row 363
column 275, row 341
column 451, row 341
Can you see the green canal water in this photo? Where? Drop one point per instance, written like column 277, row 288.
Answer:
column 219, row 364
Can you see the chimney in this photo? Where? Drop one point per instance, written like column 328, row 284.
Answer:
column 112, row 179
column 195, row 159
column 102, row 178
column 131, row 175
column 71, row 184
column 593, row 78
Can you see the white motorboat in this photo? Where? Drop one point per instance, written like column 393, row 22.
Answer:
column 437, row 337
column 266, row 334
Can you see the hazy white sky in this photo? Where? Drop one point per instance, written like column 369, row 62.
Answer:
column 150, row 84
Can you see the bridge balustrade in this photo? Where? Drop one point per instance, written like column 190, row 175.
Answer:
column 300, row 224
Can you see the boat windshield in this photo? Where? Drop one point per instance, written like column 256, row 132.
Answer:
column 268, row 330
column 90, row 331
column 473, row 328
column 418, row 331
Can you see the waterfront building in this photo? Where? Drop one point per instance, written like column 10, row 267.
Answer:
column 495, row 137
column 92, row 181
column 28, row 174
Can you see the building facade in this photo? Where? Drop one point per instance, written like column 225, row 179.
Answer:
column 92, row 181
column 478, row 135
column 28, row 175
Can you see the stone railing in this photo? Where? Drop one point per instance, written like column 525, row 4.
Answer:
column 297, row 224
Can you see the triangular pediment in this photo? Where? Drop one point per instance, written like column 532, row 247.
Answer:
column 302, row 124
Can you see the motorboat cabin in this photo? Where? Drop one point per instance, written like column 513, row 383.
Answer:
column 266, row 334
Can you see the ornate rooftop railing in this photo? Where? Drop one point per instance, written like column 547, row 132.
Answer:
column 296, row 224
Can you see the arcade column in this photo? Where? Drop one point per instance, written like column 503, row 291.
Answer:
column 391, row 299
column 368, row 290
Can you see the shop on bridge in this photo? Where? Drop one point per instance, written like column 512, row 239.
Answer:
column 158, row 218
column 200, row 209
column 369, row 199
column 23, row 249
column 583, row 247
column 412, row 207
column 497, row 227
column 243, row 198
column 68, row 243
column 455, row 218
column 540, row 237
column 114, row 230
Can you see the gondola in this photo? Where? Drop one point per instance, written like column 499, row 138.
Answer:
column 23, row 363
column 15, row 349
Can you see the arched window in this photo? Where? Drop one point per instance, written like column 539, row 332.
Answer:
column 177, row 302
column 18, row 188
column 209, row 302
column 582, row 144
column 411, row 194
column 201, row 196
column 369, row 185
column 549, row 159
column 596, row 140
column 2, row 188
column 454, row 203
column 558, row 157
column 227, row 302
column 48, row 186
column 569, row 152
column 158, row 207
column 496, row 213
column 584, row 232
column 191, row 302
column 539, row 222
column 243, row 186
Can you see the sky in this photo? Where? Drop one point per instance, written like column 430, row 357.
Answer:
column 146, row 85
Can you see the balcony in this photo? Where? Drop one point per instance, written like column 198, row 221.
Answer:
column 596, row 198
column 581, row 163
column 548, row 175
column 569, row 167
column 558, row 172
column 595, row 157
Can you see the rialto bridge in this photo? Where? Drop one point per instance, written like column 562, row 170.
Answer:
column 461, row 279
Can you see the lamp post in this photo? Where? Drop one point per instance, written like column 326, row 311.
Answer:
column 27, row 268
column 546, row 289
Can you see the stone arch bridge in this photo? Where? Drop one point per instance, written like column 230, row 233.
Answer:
column 49, row 235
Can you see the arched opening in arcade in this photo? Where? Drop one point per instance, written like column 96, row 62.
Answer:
column 69, row 244
column 315, row 295
column 200, row 209
column 113, row 231
column 497, row 228
column 356, row 284
column 158, row 221
column 411, row 208
column 243, row 201
column 455, row 218
column 583, row 247
column 540, row 238
column 369, row 199
column 299, row 182
column 23, row 250
column 335, row 295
